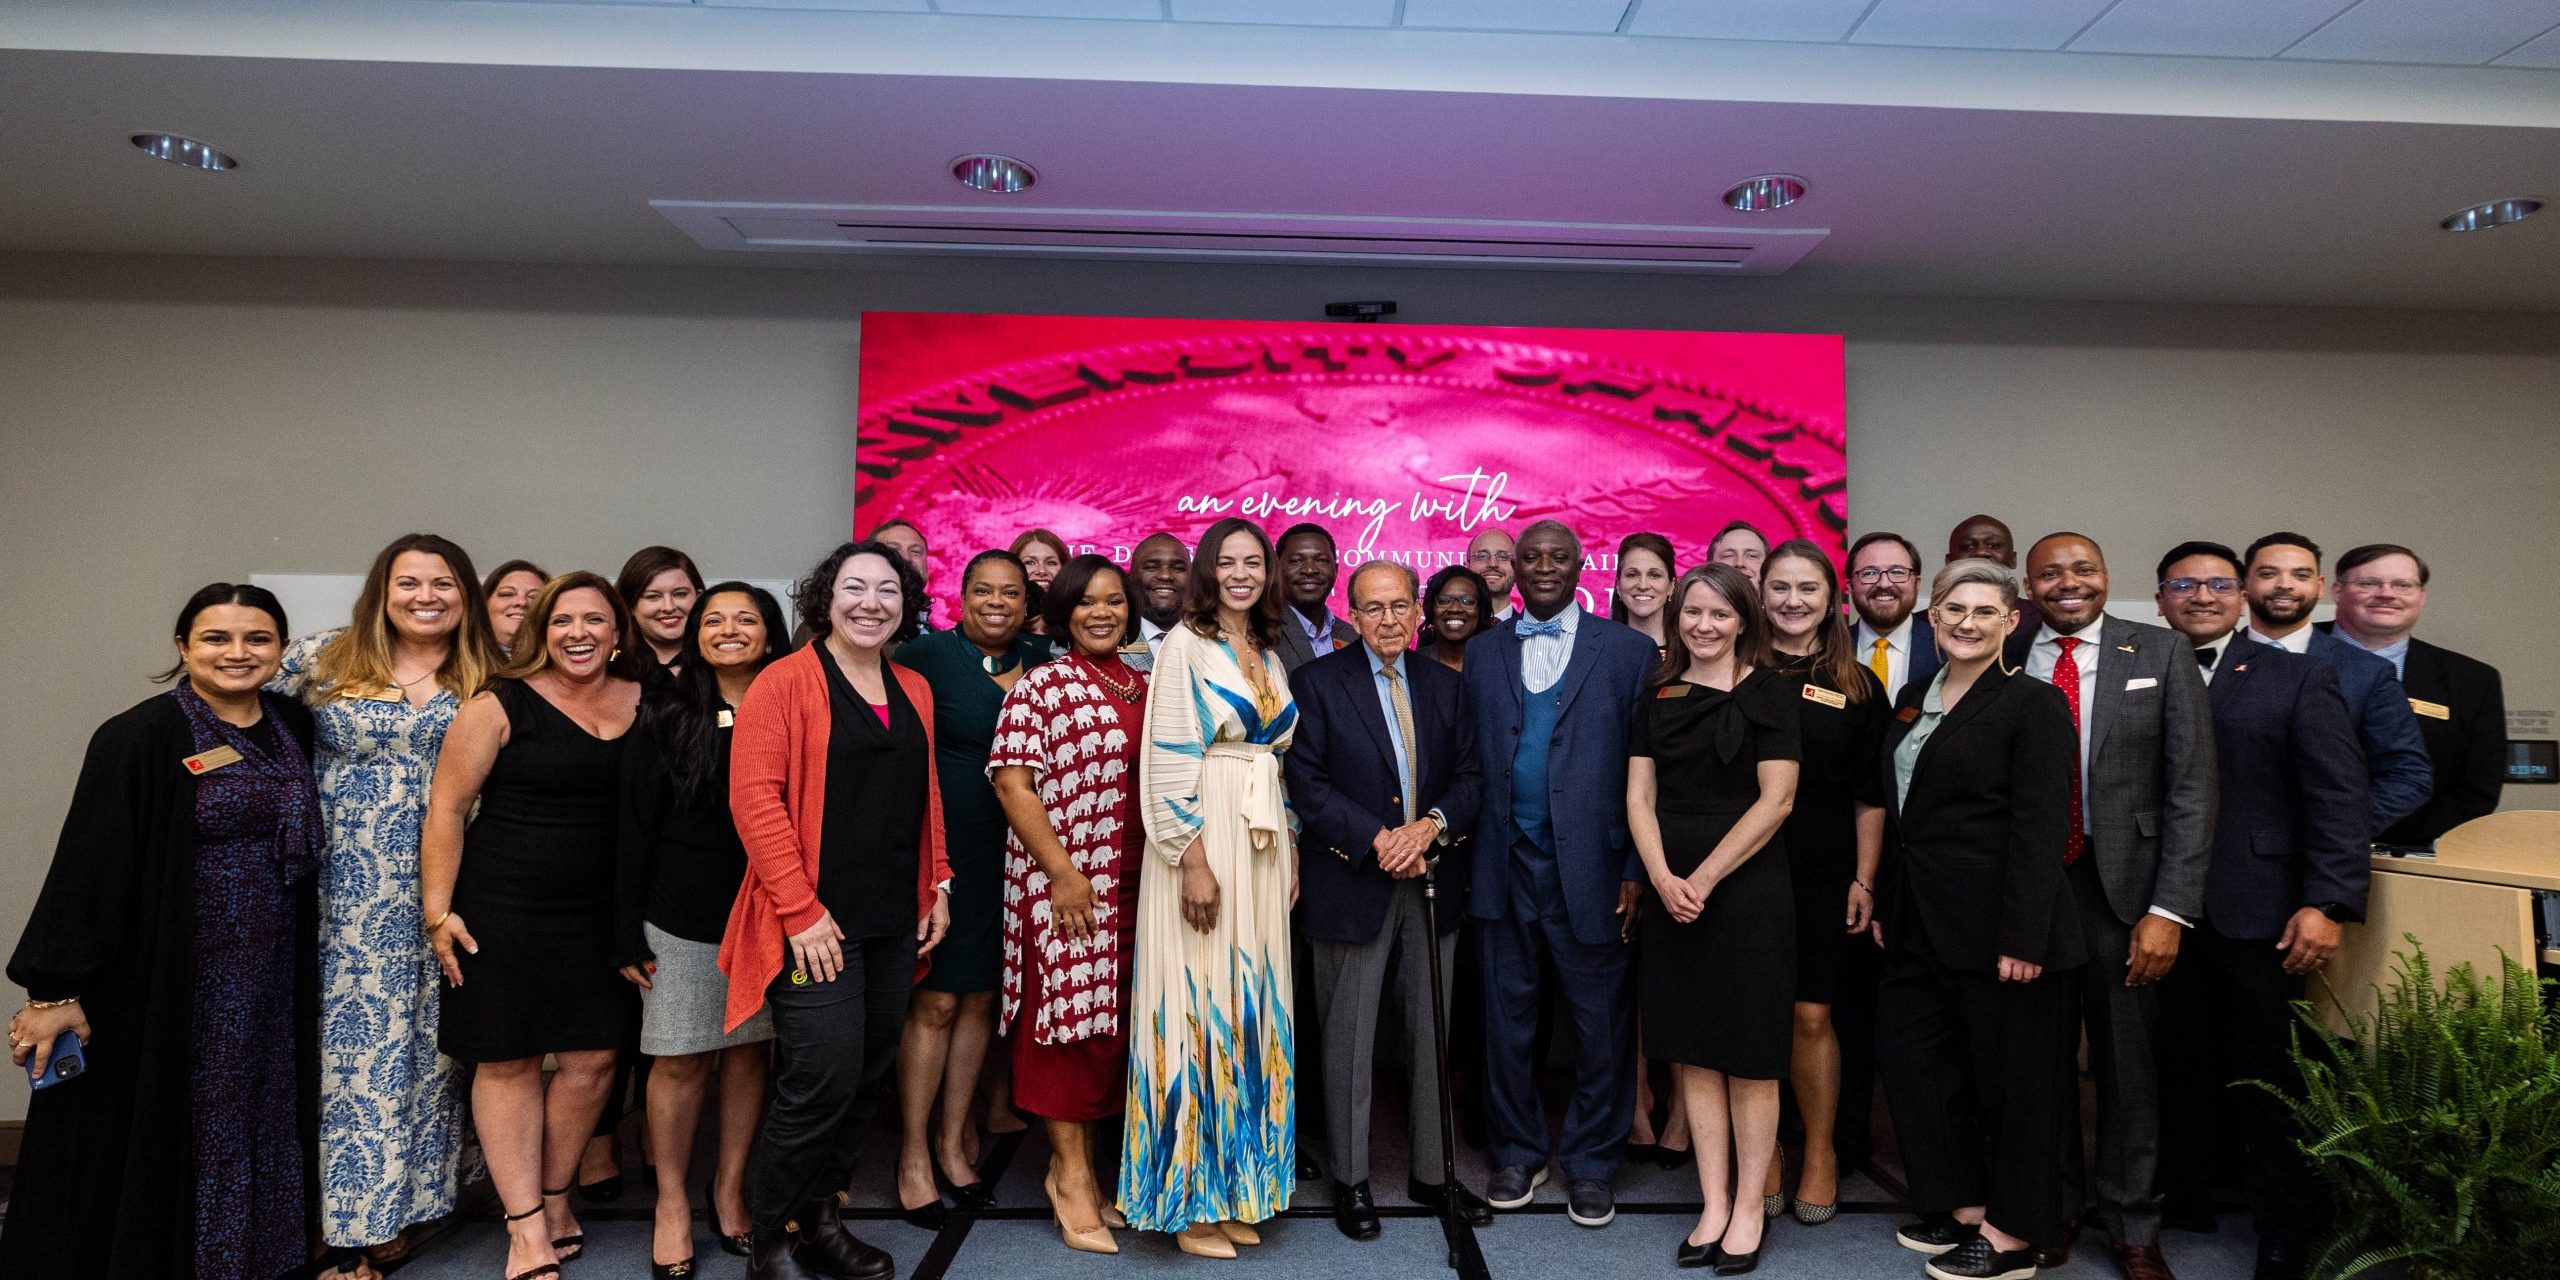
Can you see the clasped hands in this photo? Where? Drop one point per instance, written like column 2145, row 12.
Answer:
column 1405, row 852
column 1683, row 896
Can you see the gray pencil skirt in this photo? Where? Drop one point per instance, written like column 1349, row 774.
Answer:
column 681, row 1011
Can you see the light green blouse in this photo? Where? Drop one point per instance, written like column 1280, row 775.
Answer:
column 1907, row 756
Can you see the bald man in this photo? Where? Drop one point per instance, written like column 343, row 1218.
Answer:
column 1489, row 553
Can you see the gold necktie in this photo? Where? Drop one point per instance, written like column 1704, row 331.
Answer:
column 1877, row 662
column 1404, row 730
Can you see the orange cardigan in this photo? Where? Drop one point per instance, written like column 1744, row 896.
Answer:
column 777, row 796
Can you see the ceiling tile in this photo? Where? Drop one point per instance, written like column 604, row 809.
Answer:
column 2544, row 52
column 849, row 6
column 1977, row 24
column 2466, row 34
column 1147, row 10
column 2206, row 28
column 1820, row 20
column 1289, row 13
column 1517, row 15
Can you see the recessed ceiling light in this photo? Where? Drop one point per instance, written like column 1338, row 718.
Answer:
column 986, row 171
column 184, row 151
column 1764, row 193
column 2496, row 213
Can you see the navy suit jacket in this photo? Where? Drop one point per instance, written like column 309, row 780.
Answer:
column 2395, row 756
column 1341, row 771
column 2465, row 731
column 2295, row 828
column 1586, row 768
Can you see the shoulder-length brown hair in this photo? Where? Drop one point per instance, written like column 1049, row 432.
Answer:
column 1200, row 599
column 1661, row 547
column 1030, row 536
column 1835, row 658
column 526, row 660
column 645, row 565
column 357, row 663
column 1750, row 648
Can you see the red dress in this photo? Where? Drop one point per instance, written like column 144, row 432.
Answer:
column 1079, row 738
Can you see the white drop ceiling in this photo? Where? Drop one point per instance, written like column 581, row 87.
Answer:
column 2261, row 151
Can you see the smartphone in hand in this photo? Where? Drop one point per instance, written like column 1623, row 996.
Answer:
column 69, row 1059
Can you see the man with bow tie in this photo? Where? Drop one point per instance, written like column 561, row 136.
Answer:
column 2289, row 868
column 1553, row 693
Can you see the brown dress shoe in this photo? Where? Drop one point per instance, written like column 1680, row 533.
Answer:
column 2060, row 1254
column 2142, row 1262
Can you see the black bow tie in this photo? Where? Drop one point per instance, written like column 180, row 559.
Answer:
column 2204, row 657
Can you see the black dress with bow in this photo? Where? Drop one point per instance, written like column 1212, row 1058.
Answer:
column 1719, row 991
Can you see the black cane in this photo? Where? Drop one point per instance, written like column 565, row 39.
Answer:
column 1464, row 1257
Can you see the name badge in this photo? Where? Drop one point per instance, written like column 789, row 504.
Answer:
column 2143, row 683
column 1673, row 691
column 2431, row 710
column 728, row 718
column 204, row 762
column 1831, row 698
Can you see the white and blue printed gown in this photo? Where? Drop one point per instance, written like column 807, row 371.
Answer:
column 390, row 1104
column 1209, row 1135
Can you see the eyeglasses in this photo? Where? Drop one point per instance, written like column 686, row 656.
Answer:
column 1376, row 609
column 1492, row 557
column 1896, row 575
column 2189, row 586
column 1955, row 614
column 2398, row 586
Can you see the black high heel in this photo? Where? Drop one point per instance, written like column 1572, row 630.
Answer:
column 546, row 1269
column 576, row 1242
column 740, row 1245
column 1700, row 1255
column 972, row 1197
column 930, row 1216
column 671, row 1270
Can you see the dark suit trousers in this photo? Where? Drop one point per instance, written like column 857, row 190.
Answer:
column 1978, row 1074
column 2227, row 1015
column 834, row 1045
column 1600, row 1001
column 1354, row 981
column 2122, row 1022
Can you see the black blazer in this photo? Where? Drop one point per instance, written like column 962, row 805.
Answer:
column 1973, row 856
column 2462, row 715
column 1341, row 773
column 2295, row 823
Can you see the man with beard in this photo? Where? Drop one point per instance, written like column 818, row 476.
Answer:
column 1308, row 567
column 2281, row 574
column 2461, row 706
column 1159, row 568
column 1489, row 554
column 1554, row 693
column 2290, row 868
column 1884, row 583
column 2141, row 840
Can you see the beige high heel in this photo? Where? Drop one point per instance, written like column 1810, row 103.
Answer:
column 1240, row 1232
column 1204, row 1240
column 1093, row 1239
column 1113, row 1218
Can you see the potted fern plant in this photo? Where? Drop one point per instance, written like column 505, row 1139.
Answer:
column 2434, row 1127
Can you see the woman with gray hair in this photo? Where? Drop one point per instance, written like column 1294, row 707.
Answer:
column 1974, row 1027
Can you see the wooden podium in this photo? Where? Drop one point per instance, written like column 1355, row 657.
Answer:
column 2474, row 898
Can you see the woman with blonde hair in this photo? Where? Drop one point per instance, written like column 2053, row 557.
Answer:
column 382, row 692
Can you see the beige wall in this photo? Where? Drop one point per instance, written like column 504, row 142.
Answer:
column 171, row 421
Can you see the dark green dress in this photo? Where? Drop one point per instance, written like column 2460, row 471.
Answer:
column 966, row 700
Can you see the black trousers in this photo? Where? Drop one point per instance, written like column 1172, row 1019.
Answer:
column 835, row 1045
column 1853, row 1020
column 1979, row 1075
column 2226, row 1015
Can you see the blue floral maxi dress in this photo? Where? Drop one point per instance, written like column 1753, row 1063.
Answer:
column 390, row 1103
column 1210, row 1134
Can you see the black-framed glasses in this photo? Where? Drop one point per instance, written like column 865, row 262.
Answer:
column 2189, row 586
column 1897, row 575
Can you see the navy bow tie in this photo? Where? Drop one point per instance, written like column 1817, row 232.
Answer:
column 1526, row 628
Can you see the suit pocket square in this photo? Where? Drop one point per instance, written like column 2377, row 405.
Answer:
column 2145, row 682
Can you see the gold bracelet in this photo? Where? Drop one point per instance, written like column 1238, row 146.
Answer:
column 53, row 1004
column 438, row 922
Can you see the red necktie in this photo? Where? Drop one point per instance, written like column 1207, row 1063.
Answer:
column 2066, row 677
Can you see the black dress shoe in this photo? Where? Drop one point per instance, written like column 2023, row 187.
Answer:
column 1472, row 1210
column 2279, row 1260
column 841, row 1254
column 1738, row 1264
column 2060, row 1254
column 1354, row 1213
column 1977, row 1259
column 1700, row 1255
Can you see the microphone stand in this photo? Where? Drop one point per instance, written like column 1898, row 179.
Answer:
column 1465, row 1257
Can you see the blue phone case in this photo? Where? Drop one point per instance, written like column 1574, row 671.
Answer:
column 69, row 1059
